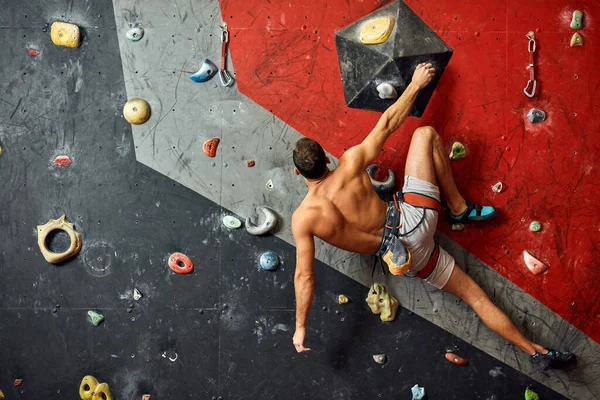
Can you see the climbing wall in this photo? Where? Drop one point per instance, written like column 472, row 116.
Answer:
column 288, row 64
column 225, row 330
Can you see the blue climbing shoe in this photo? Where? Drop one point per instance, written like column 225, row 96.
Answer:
column 553, row 359
column 473, row 213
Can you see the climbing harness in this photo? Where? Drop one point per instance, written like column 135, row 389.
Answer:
column 226, row 79
column 393, row 225
column 531, row 82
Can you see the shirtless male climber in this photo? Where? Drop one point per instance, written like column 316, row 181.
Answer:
column 342, row 209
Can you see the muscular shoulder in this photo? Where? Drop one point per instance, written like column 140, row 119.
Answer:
column 304, row 218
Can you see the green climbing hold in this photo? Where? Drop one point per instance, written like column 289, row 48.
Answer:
column 535, row 226
column 458, row 151
column 577, row 22
column 96, row 318
column 531, row 395
column 231, row 222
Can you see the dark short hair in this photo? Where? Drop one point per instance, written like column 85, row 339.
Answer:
column 309, row 158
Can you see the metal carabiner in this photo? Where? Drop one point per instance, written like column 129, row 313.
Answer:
column 531, row 82
column 226, row 79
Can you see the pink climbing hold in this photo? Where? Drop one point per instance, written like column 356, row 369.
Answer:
column 250, row 163
column 18, row 382
column 535, row 266
column 33, row 52
column 146, row 397
column 62, row 161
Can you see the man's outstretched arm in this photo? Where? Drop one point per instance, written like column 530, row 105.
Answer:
column 364, row 153
column 304, row 278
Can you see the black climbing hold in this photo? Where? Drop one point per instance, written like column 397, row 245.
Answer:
column 365, row 66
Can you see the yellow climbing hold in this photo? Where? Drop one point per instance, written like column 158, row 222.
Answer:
column 65, row 34
column 136, row 111
column 376, row 30
column 576, row 40
column 1, row 395
column 343, row 299
column 87, row 387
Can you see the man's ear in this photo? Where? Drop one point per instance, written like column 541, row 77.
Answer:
column 296, row 171
column 327, row 160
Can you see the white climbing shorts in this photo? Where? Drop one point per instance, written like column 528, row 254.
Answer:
column 418, row 225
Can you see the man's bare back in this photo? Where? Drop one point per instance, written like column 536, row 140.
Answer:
column 344, row 210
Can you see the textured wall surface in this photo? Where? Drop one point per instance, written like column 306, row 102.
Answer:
column 228, row 324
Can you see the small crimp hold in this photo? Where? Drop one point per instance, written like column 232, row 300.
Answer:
column 33, row 52
column 146, row 397
column 577, row 21
column 207, row 70
column 95, row 318
column 137, row 294
column 497, row 188
column 576, row 40
column 180, row 263
column 269, row 261
column 535, row 116
column 269, row 223
column 531, row 395
column 250, row 163
column 535, row 266
column 18, row 382
column 381, row 187
column 343, row 299
column 458, row 227
column 379, row 358
column 458, row 151
column 453, row 358
column 418, row 392
column 231, row 222
column 135, row 34
column 62, row 161
column 269, row 185
column 387, row 91
column 210, row 147
column 535, row 226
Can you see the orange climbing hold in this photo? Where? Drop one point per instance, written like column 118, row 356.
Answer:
column 181, row 263
column 453, row 358
column 210, row 147
column 250, row 163
column 33, row 52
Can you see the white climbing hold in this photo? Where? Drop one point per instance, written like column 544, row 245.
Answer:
column 458, row 227
column 379, row 358
column 387, row 91
column 269, row 185
column 231, row 222
column 137, row 294
column 497, row 188
column 535, row 266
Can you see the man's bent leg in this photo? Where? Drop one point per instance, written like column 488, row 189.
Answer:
column 463, row 286
column 427, row 160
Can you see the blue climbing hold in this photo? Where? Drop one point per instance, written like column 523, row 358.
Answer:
column 206, row 71
column 269, row 261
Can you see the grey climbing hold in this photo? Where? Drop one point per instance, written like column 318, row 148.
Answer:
column 135, row 33
column 379, row 358
column 95, row 317
column 269, row 223
column 382, row 187
column 458, row 151
column 418, row 392
column 207, row 70
column 535, row 226
column 536, row 115
column 231, row 222
column 137, row 294
column 269, row 261
column 577, row 21
column 387, row 91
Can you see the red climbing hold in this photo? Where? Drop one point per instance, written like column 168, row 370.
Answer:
column 453, row 358
column 33, row 52
column 18, row 382
column 63, row 161
column 180, row 263
column 210, row 147
column 250, row 163
column 146, row 397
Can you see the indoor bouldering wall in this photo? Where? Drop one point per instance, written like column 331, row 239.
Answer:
column 138, row 193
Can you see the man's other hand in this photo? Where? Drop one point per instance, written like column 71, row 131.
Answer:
column 424, row 73
column 299, row 340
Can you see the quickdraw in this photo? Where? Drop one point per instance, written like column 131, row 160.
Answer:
column 226, row 79
column 531, row 82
